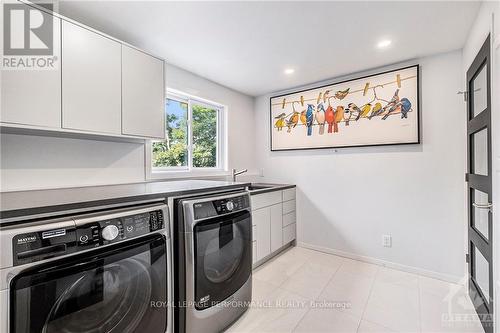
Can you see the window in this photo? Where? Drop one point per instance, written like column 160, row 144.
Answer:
column 193, row 138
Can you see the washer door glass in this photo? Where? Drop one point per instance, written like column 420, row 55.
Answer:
column 223, row 260
column 110, row 293
column 224, row 252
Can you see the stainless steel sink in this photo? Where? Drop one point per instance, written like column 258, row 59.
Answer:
column 259, row 186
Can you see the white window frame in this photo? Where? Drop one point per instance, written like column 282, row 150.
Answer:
column 190, row 170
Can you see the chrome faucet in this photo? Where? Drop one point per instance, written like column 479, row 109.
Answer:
column 235, row 173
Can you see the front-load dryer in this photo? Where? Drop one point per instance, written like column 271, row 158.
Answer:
column 215, row 261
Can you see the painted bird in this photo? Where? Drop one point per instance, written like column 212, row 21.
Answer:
column 309, row 118
column 292, row 121
column 339, row 116
column 330, row 118
column 341, row 94
column 365, row 110
column 396, row 108
column 320, row 118
column 376, row 110
column 303, row 118
column 405, row 107
column 280, row 122
column 392, row 106
column 355, row 110
column 395, row 98
column 347, row 116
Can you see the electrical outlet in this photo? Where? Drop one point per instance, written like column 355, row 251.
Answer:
column 386, row 241
column 261, row 172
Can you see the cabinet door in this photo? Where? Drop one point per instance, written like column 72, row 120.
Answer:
column 143, row 94
column 262, row 219
column 91, row 81
column 276, row 227
column 33, row 97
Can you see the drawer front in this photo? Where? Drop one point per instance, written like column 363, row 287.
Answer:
column 289, row 233
column 289, row 219
column 289, row 194
column 265, row 199
column 288, row 207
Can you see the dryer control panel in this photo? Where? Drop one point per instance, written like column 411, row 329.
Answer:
column 222, row 206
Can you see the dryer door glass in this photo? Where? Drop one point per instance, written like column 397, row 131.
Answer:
column 111, row 291
column 223, row 261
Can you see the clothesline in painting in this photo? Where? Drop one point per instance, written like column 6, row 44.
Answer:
column 342, row 94
column 341, row 113
column 341, row 120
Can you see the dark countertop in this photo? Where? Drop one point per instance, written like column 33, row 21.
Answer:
column 274, row 187
column 23, row 205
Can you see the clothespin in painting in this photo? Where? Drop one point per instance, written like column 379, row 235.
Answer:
column 319, row 98
column 284, row 102
column 302, row 100
column 329, row 103
column 325, row 96
column 398, row 80
column 367, row 85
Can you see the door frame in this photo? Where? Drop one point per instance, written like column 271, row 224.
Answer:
column 484, row 303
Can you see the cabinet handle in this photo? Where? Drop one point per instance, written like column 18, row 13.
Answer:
column 488, row 206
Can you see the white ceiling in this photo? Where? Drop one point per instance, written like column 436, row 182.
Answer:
column 247, row 45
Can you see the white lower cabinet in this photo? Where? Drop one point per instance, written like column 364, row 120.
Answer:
column 289, row 218
column 273, row 222
column 276, row 227
column 289, row 233
column 254, row 252
column 262, row 220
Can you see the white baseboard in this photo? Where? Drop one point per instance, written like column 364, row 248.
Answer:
column 384, row 263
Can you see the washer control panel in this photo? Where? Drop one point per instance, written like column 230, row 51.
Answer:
column 86, row 231
column 117, row 229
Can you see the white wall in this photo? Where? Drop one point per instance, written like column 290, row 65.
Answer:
column 488, row 22
column 32, row 162
column 44, row 162
column 240, row 114
column 348, row 199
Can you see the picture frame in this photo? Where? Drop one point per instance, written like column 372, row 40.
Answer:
column 375, row 110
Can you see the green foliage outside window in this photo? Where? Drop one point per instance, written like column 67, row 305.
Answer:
column 173, row 152
column 204, row 137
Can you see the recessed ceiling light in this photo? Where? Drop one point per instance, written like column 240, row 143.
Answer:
column 384, row 43
column 289, row 71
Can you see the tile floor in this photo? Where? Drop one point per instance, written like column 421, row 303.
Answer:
column 303, row 290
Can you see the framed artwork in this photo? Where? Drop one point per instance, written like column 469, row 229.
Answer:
column 380, row 109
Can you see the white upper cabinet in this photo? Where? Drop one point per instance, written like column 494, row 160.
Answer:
column 99, row 86
column 33, row 97
column 91, row 81
column 143, row 94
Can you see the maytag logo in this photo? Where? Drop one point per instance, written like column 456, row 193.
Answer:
column 28, row 239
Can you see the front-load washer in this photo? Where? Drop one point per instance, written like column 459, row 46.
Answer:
column 106, row 272
column 215, row 261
